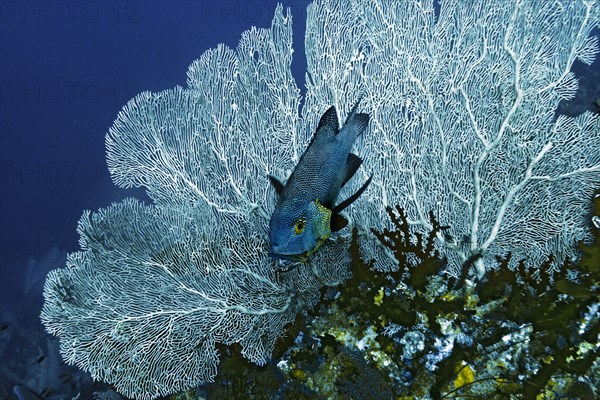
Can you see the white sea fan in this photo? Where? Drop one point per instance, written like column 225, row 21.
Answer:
column 462, row 102
column 156, row 288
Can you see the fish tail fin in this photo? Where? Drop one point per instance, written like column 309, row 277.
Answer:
column 356, row 123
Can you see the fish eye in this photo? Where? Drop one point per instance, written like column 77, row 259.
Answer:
column 299, row 226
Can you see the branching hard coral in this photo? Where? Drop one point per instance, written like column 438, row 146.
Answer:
column 512, row 334
column 427, row 337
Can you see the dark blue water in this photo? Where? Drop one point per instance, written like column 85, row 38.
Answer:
column 66, row 70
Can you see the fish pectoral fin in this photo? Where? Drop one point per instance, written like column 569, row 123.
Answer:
column 352, row 198
column 276, row 184
column 338, row 222
column 353, row 163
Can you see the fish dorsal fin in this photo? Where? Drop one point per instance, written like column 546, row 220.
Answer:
column 276, row 184
column 328, row 125
column 353, row 163
column 352, row 198
column 329, row 122
column 338, row 222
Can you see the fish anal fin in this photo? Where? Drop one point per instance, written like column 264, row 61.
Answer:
column 352, row 165
column 338, row 222
column 276, row 184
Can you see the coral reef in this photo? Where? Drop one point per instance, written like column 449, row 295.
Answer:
column 413, row 333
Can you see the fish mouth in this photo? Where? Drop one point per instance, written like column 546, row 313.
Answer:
column 303, row 257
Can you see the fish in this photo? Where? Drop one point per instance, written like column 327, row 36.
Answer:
column 306, row 212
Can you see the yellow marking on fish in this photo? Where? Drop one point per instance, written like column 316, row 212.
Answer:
column 324, row 220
